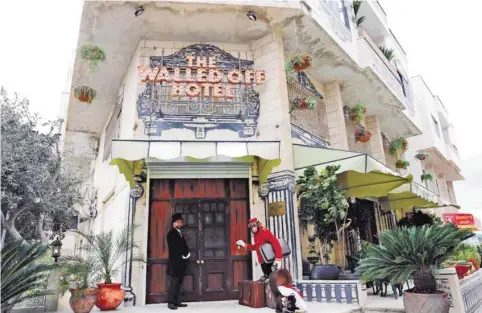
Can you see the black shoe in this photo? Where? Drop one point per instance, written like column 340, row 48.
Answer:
column 181, row 305
column 172, row 306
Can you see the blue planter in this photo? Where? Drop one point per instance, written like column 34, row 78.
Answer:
column 325, row 272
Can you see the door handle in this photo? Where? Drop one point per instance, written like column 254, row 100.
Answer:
column 202, row 261
column 197, row 261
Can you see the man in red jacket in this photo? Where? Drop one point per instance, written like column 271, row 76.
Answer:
column 262, row 236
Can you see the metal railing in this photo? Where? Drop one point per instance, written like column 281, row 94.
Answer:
column 370, row 54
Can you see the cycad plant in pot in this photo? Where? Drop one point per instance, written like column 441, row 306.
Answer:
column 24, row 273
column 79, row 275
column 414, row 252
column 106, row 251
column 323, row 205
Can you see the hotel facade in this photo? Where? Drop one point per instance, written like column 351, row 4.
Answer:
column 196, row 113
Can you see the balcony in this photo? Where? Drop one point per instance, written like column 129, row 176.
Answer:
column 453, row 155
column 371, row 56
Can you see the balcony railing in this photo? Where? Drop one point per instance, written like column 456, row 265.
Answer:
column 371, row 55
column 453, row 154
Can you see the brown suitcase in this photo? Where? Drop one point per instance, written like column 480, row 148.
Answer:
column 270, row 297
column 252, row 293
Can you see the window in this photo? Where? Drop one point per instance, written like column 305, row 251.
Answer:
column 435, row 125
column 340, row 10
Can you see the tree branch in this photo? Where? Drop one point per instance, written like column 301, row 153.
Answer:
column 10, row 227
column 40, row 230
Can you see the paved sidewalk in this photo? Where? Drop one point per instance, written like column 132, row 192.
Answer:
column 229, row 307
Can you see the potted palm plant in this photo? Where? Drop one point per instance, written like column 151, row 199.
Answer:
column 24, row 273
column 324, row 206
column 106, row 251
column 414, row 253
column 79, row 276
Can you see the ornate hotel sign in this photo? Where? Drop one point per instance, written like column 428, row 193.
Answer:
column 200, row 88
column 276, row 208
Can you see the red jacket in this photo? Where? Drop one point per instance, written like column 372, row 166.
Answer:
column 260, row 238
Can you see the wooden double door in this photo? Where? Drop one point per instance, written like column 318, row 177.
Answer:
column 215, row 213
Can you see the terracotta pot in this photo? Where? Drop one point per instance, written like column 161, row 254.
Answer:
column 110, row 296
column 365, row 138
column 426, row 302
column 298, row 67
column 462, row 270
column 82, row 301
column 85, row 96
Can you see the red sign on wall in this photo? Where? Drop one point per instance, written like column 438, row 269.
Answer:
column 464, row 220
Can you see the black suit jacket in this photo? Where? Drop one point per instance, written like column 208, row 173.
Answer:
column 176, row 265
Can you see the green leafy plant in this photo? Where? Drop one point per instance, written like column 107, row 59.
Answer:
column 388, row 53
column 24, row 273
column 427, row 176
column 323, row 205
column 78, row 274
column 356, row 7
column 399, row 144
column 467, row 253
column 298, row 62
column 415, row 252
column 85, row 94
column 92, row 55
column 421, row 156
column 106, row 251
column 417, row 218
column 402, row 164
column 303, row 103
column 357, row 113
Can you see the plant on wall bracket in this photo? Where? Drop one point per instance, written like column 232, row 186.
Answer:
column 362, row 134
column 92, row 55
column 303, row 103
column 298, row 62
column 427, row 177
column 388, row 53
column 357, row 113
column 402, row 164
column 421, row 156
column 323, row 204
column 399, row 144
column 85, row 94
column 356, row 7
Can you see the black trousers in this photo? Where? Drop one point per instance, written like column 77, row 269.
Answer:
column 174, row 285
column 266, row 268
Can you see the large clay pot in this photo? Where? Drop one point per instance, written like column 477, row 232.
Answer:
column 325, row 272
column 426, row 302
column 82, row 300
column 461, row 270
column 110, row 296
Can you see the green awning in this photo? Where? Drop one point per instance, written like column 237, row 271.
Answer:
column 412, row 195
column 360, row 175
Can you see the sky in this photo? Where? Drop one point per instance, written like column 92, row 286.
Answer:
column 442, row 41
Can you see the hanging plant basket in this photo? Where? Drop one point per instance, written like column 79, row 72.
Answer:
column 299, row 62
column 303, row 103
column 357, row 113
column 362, row 134
column 399, row 144
column 84, row 94
column 92, row 55
column 427, row 176
column 421, row 156
column 402, row 164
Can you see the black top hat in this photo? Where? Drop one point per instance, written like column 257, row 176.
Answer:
column 176, row 216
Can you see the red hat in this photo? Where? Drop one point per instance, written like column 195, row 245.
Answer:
column 253, row 220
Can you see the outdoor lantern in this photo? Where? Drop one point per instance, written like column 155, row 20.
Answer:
column 252, row 15
column 56, row 247
column 139, row 11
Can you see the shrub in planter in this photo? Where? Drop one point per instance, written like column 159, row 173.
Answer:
column 79, row 277
column 421, row 156
column 362, row 134
column 414, row 253
column 85, row 94
column 427, row 176
column 397, row 145
column 357, row 113
column 107, row 251
column 299, row 62
column 92, row 55
column 323, row 205
column 402, row 164
column 306, row 103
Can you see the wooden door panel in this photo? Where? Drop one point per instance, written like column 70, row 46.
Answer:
column 159, row 226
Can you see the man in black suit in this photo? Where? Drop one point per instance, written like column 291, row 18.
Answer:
column 177, row 263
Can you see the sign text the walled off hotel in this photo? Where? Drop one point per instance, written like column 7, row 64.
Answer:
column 201, row 76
